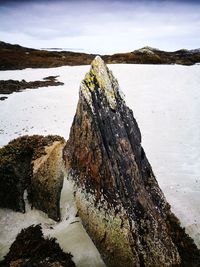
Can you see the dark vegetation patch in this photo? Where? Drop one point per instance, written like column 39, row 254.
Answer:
column 51, row 78
column 187, row 249
column 10, row 86
column 17, row 57
column 30, row 249
column 3, row 98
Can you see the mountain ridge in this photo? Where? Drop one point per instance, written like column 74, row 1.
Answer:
column 14, row 56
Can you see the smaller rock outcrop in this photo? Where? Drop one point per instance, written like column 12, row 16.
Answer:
column 47, row 180
column 32, row 163
column 31, row 249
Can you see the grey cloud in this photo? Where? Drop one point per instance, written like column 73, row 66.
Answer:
column 107, row 26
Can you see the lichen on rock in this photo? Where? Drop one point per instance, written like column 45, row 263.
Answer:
column 100, row 78
column 117, row 195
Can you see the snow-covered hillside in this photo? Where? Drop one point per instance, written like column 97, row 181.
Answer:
column 166, row 104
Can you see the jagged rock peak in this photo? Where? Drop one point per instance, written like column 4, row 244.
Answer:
column 117, row 196
column 100, row 78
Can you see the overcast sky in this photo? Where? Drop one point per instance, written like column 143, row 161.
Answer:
column 101, row 26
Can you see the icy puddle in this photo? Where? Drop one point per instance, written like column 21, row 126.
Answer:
column 166, row 104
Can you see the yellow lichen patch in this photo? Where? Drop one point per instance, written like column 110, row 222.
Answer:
column 92, row 71
column 89, row 79
column 102, row 78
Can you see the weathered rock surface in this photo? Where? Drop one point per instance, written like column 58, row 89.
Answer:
column 47, row 180
column 118, row 198
column 31, row 249
column 32, row 163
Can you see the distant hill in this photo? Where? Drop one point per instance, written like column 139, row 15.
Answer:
column 149, row 55
column 19, row 57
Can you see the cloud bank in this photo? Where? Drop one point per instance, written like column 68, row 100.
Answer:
column 101, row 26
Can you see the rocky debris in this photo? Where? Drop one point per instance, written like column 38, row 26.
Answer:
column 118, row 198
column 32, row 163
column 11, row 86
column 31, row 249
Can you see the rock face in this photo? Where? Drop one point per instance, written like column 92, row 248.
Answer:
column 47, row 180
column 32, row 163
column 31, row 249
column 118, row 198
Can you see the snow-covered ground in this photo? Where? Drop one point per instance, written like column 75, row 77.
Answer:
column 40, row 111
column 69, row 232
column 166, row 104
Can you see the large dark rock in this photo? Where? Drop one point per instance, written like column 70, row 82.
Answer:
column 118, row 198
column 32, row 163
column 31, row 249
